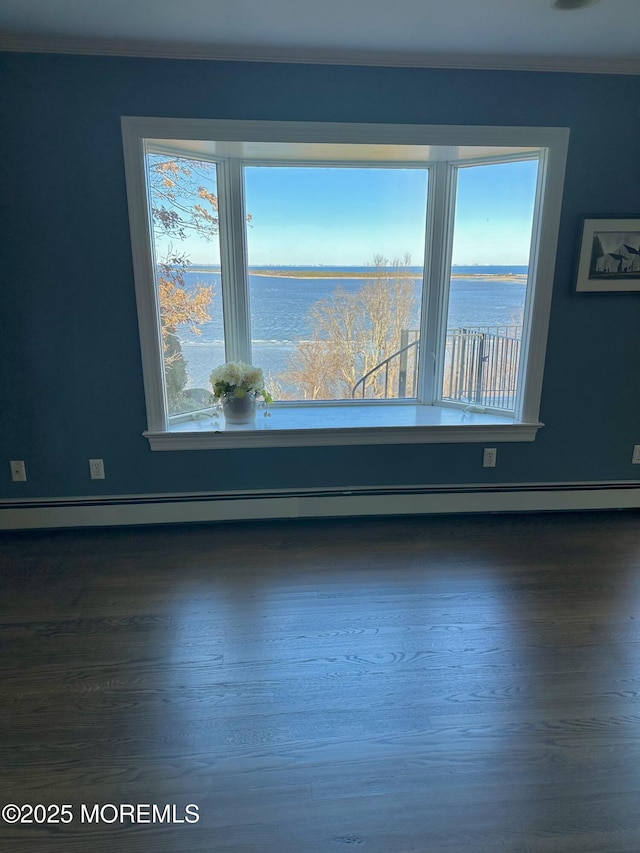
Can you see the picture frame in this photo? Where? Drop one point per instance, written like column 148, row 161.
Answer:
column 609, row 258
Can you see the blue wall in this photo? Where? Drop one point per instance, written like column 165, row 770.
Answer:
column 71, row 381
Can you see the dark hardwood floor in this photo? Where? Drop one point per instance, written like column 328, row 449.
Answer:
column 416, row 684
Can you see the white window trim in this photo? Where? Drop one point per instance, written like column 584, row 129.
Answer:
column 419, row 423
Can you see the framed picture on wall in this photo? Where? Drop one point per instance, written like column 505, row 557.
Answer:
column 609, row 255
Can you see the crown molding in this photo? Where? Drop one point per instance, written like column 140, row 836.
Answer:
column 316, row 56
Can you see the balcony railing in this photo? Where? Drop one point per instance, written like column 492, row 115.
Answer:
column 481, row 368
column 400, row 369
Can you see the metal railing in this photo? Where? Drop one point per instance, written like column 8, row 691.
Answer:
column 481, row 367
column 400, row 366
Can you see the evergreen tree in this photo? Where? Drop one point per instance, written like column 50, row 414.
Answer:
column 175, row 370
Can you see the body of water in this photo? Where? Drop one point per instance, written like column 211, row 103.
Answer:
column 280, row 305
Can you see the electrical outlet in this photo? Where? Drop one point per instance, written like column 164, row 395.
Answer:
column 96, row 469
column 635, row 459
column 18, row 471
column 489, row 457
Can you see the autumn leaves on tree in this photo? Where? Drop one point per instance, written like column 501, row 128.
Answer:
column 181, row 204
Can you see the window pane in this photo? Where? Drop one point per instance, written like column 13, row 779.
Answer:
column 335, row 278
column 183, row 201
column 488, row 285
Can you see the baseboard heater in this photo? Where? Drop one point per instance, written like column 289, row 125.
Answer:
column 116, row 510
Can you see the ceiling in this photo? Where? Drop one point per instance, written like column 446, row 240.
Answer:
column 450, row 33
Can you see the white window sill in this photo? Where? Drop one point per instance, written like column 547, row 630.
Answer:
column 319, row 425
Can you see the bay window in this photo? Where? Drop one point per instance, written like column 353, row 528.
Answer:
column 393, row 282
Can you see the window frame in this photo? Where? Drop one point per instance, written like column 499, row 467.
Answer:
column 552, row 143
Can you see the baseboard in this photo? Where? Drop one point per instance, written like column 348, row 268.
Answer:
column 237, row 506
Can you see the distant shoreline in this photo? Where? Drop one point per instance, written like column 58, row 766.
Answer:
column 359, row 275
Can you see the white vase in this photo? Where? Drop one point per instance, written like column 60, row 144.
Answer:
column 239, row 410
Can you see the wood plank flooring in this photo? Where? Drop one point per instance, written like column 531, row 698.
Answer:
column 390, row 685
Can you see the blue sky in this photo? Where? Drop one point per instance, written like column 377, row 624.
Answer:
column 346, row 216
column 334, row 216
column 494, row 213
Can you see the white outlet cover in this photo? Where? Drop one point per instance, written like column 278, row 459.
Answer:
column 18, row 471
column 96, row 469
column 489, row 457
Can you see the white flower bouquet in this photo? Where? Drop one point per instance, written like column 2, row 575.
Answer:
column 235, row 380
